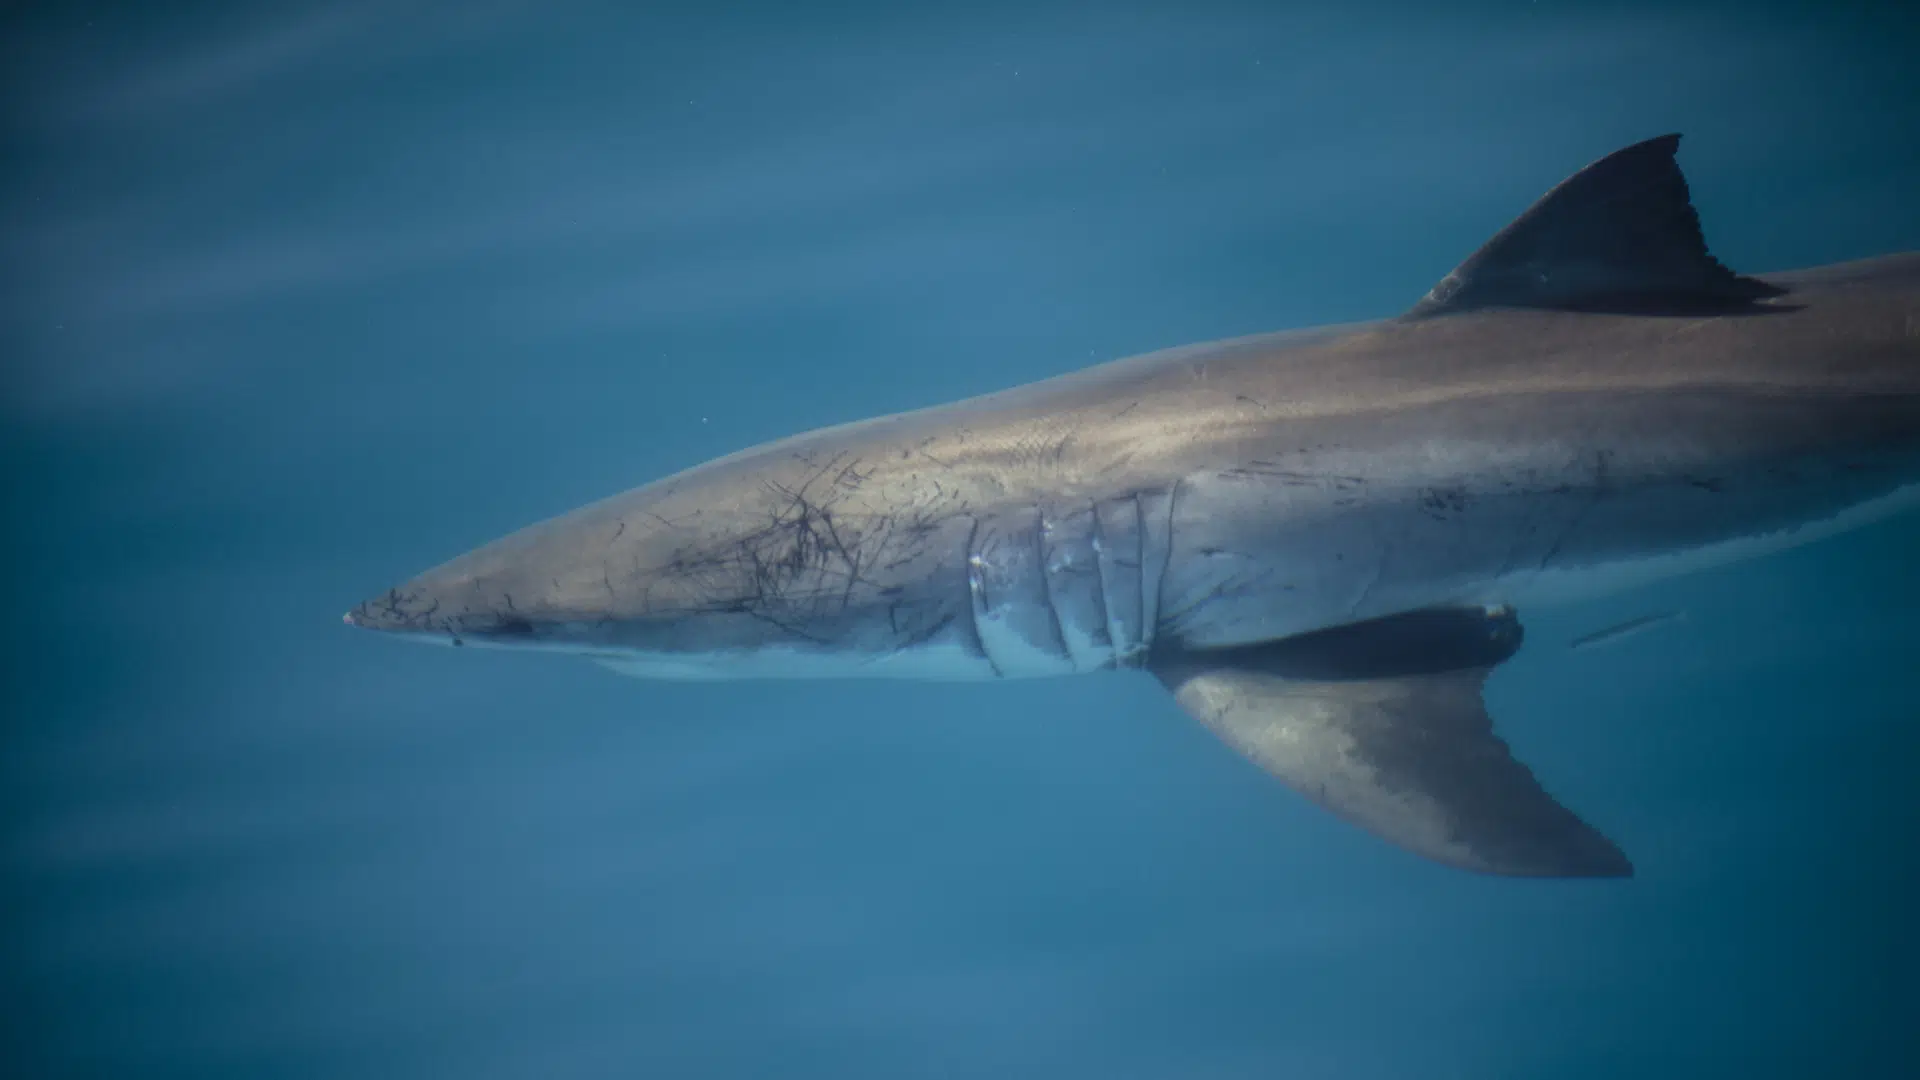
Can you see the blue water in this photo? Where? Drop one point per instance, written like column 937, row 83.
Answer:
column 302, row 299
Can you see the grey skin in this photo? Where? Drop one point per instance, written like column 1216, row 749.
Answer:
column 1316, row 540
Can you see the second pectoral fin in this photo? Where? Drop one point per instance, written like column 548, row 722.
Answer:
column 1410, row 757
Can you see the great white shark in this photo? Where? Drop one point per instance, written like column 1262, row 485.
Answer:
column 1319, row 541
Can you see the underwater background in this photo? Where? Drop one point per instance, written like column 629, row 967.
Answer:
column 302, row 298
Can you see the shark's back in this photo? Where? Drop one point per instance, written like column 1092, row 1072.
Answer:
column 1845, row 327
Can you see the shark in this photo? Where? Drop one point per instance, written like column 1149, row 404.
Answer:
column 1319, row 542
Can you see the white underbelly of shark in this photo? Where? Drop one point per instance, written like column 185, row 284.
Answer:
column 1562, row 586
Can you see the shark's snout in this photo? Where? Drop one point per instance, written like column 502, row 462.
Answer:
column 402, row 609
column 442, row 610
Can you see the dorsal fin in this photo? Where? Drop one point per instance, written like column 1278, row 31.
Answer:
column 1620, row 235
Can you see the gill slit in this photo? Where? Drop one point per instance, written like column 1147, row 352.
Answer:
column 976, row 598
column 1046, row 583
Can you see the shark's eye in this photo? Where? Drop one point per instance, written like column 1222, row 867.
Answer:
column 512, row 626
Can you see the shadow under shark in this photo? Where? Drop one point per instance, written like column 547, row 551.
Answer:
column 1315, row 540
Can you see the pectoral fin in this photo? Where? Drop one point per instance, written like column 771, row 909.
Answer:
column 1411, row 757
